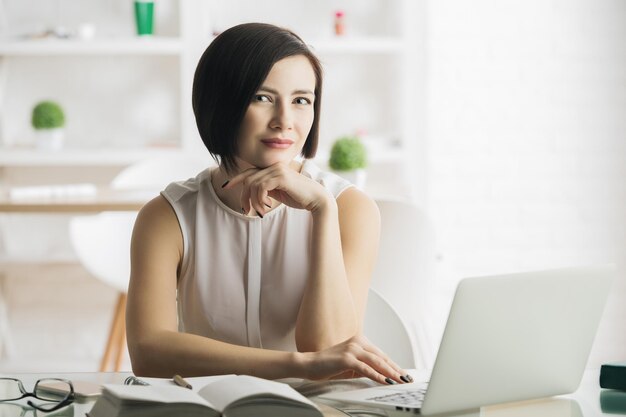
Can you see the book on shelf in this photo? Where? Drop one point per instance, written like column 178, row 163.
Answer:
column 230, row 396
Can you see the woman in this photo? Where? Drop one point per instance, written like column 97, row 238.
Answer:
column 260, row 266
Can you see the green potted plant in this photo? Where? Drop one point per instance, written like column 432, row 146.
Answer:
column 348, row 158
column 48, row 120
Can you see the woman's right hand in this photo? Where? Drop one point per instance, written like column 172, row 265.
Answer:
column 354, row 358
column 281, row 182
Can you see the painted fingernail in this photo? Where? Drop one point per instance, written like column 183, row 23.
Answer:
column 259, row 214
column 390, row 381
column 225, row 184
column 404, row 379
column 409, row 377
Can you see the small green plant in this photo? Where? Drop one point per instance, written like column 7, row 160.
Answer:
column 348, row 153
column 47, row 115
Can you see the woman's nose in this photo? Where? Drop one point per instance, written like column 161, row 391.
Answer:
column 283, row 117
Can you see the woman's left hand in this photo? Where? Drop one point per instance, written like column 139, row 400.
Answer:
column 281, row 183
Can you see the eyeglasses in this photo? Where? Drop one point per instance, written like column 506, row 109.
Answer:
column 21, row 410
column 46, row 389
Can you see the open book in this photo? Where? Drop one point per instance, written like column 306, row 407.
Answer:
column 231, row 396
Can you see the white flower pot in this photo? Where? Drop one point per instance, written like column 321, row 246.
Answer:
column 358, row 177
column 50, row 139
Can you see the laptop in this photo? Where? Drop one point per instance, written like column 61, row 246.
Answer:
column 508, row 338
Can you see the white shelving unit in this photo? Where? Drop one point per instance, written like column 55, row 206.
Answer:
column 143, row 85
column 174, row 46
column 79, row 157
column 364, row 45
column 120, row 46
column 128, row 98
column 125, row 97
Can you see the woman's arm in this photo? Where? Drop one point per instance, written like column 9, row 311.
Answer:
column 344, row 247
column 158, row 349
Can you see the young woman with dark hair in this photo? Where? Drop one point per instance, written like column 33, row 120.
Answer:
column 260, row 266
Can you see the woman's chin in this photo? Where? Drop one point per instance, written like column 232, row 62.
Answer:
column 263, row 163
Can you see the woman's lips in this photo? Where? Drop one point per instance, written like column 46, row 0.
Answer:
column 277, row 143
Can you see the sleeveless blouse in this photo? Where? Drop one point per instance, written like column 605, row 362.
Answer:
column 242, row 278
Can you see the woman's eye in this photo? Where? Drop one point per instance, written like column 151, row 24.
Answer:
column 302, row 100
column 262, row 98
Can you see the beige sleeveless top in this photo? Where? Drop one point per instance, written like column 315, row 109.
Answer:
column 242, row 278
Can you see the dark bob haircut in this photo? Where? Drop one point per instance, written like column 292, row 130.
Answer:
column 229, row 74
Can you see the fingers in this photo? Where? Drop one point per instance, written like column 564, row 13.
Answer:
column 363, row 368
column 378, row 369
column 360, row 358
column 374, row 349
column 239, row 178
column 256, row 186
column 245, row 194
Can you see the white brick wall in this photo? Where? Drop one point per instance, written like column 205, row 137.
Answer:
column 527, row 139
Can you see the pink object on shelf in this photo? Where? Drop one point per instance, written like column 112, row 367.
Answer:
column 340, row 27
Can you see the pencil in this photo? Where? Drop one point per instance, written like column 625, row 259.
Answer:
column 178, row 380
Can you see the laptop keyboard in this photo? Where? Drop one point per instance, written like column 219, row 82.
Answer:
column 413, row 398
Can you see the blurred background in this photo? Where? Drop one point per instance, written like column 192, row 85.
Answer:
column 504, row 121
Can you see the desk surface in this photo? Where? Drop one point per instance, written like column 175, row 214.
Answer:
column 104, row 199
column 588, row 401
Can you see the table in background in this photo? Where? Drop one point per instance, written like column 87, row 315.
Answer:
column 104, row 199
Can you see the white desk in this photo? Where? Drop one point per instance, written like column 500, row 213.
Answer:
column 585, row 402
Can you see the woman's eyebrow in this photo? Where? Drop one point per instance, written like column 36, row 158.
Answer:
column 271, row 90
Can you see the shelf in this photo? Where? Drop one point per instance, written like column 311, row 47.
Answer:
column 379, row 156
column 121, row 46
column 81, row 157
column 358, row 45
column 108, row 157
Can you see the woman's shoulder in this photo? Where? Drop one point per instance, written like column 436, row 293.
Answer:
column 178, row 190
column 156, row 218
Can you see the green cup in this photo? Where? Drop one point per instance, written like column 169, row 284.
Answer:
column 144, row 17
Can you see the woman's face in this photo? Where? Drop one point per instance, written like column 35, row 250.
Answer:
column 279, row 118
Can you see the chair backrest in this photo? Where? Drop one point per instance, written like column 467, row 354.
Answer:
column 157, row 172
column 102, row 244
column 102, row 241
column 403, row 273
column 384, row 327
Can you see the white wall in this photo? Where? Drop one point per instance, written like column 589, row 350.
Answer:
column 526, row 140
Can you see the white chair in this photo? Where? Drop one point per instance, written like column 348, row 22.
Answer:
column 403, row 274
column 102, row 241
column 384, row 327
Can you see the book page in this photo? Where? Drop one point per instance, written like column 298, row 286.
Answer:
column 197, row 382
column 228, row 390
column 155, row 394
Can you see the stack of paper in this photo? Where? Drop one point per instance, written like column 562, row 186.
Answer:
column 52, row 191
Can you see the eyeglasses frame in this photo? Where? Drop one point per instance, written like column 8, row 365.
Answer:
column 67, row 400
